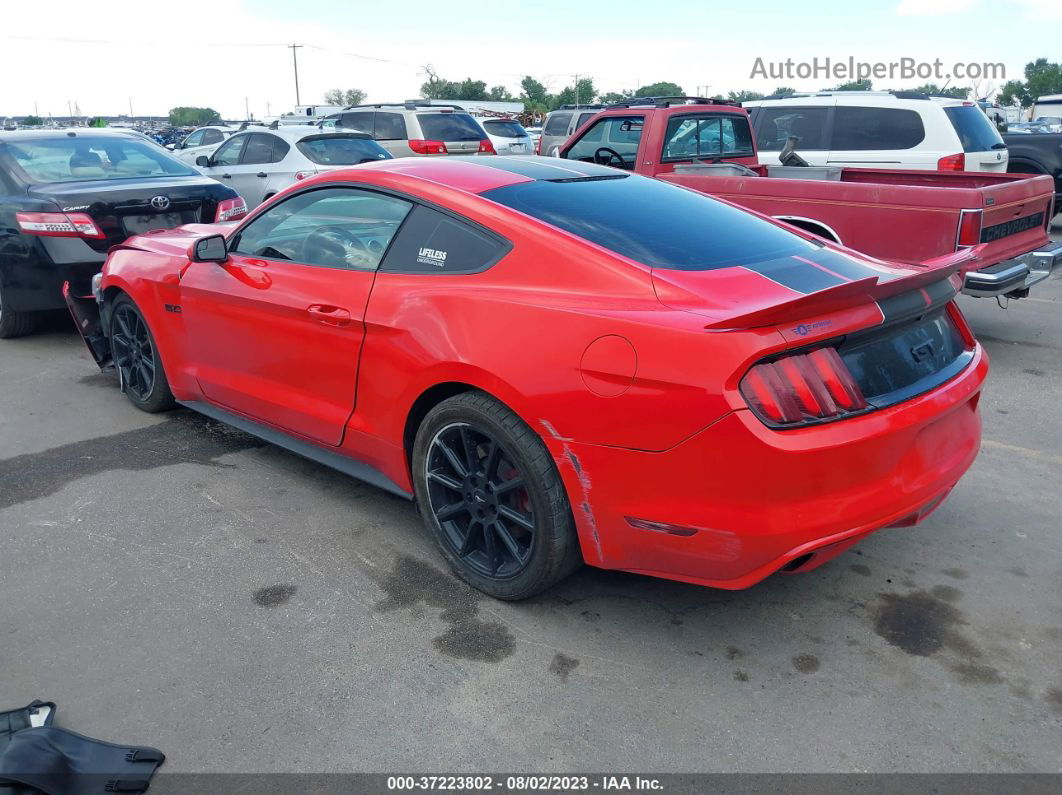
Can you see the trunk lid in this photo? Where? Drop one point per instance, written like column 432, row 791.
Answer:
column 122, row 208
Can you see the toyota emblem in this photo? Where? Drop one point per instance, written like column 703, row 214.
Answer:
column 160, row 202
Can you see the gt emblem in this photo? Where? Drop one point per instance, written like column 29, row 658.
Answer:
column 160, row 202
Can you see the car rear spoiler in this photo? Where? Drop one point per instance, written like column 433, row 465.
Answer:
column 850, row 294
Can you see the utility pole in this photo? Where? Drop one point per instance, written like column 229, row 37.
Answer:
column 69, row 110
column 576, row 90
column 130, row 108
column 295, row 63
column 246, row 109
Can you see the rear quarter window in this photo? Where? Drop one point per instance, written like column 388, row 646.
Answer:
column 434, row 242
column 775, row 125
column 976, row 133
column 857, row 129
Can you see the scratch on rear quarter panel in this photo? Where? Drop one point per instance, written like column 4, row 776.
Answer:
column 584, row 483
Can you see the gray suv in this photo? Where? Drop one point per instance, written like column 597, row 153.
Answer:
column 561, row 124
column 415, row 128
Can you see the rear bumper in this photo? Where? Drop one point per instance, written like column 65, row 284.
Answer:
column 738, row 501
column 1014, row 275
column 38, row 286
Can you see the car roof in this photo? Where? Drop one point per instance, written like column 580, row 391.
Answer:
column 63, row 132
column 296, row 132
column 475, row 174
column 869, row 98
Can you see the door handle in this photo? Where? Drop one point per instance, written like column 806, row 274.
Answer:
column 261, row 174
column 329, row 315
column 226, row 176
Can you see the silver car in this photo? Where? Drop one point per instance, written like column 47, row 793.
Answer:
column 261, row 161
column 508, row 136
column 201, row 141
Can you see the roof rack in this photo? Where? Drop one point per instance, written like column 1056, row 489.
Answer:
column 582, row 105
column 898, row 94
column 665, row 102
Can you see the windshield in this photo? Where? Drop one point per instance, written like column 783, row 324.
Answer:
column 505, row 128
column 976, row 132
column 449, row 127
column 85, row 158
column 341, row 150
column 654, row 223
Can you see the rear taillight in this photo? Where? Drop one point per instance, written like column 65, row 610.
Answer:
column 58, row 225
column 486, row 147
column 969, row 228
column 230, row 209
column 952, row 163
column 428, row 147
column 299, row 175
column 802, row 388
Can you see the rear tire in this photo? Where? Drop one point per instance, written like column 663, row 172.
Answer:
column 15, row 324
column 491, row 496
column 136, row 359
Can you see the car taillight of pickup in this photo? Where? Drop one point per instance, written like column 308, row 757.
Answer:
column 1001, row 221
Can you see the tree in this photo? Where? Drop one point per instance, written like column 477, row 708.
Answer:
column 500, row 94
column 1041, row 77
column 743, row 96
column 581, row 93
column 193, row 117
column 955, row 92
column 33, row 121
column 534, row 95
column 660, row 90
column 854, row 85
column 1014, row 93
column 616, row 96
column 783, row 91
column 437, row 88
column 352, row 96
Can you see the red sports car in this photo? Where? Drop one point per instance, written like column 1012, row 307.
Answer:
column 561, row 363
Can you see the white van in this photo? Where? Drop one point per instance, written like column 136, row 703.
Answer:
column 879, row 129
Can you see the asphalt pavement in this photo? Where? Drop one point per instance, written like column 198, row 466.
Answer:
column 175, row 583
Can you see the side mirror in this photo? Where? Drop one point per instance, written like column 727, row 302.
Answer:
column 210, row 249
column 171, row 147
column 203, row 161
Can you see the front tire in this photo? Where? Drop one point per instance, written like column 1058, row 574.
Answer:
column 490, row 495
column 15, row 324
column 136, row 358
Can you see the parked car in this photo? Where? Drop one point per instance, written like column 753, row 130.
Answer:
column 68, row 196
column 411, row 129
column 561, row 124
column 534, row 133
column 202, row 141
column 879, row 129
column 368, row 319
column 260, row 162
column 996, row 224
column 1037, row 154
column 507, row 136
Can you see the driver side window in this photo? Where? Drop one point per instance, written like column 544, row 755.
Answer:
column 611, row 141
column 229, row 152
column 344, row 228
column 195, row 139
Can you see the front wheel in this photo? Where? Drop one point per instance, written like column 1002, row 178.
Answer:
column 491, row 496
column 136, row 358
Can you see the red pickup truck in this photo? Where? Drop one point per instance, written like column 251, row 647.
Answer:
column 1000, row 221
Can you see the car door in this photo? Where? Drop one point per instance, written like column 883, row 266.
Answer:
column 224, row 160
column 249, row 176
column 277, row 330
column 609, row 141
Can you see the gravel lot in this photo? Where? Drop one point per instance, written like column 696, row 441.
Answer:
column 171, row 582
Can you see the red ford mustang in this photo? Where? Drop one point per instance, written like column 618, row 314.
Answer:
column 561, row 363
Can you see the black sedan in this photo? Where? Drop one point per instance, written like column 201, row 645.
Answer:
column 67, row 196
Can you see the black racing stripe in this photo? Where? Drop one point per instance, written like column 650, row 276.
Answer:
column 796, row 275
column 848, row 267
column 916, row 302
column 542, row 168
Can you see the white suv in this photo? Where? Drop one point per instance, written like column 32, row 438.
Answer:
column 879, row 129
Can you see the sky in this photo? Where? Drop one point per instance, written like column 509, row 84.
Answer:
column 105, row 55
